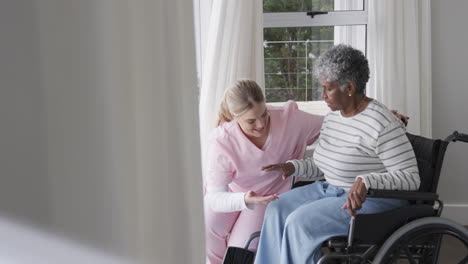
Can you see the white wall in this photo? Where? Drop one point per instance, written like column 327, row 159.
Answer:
column 450, row 100
column 24, row 186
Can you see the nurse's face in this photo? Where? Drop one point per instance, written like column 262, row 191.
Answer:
column 254, row 122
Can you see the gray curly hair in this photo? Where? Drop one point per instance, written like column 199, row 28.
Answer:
column 342, row 64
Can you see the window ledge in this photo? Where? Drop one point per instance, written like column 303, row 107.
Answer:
column 312, row 107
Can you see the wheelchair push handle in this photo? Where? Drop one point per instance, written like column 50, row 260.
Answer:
column 455, row 136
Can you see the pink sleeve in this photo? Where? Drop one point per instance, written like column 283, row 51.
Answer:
column 309, row 124
column 219, row 168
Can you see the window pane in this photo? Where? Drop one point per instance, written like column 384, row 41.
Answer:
column 290, row 54
column 272, row 6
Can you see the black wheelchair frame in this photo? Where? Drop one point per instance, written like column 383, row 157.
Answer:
column 413, row 232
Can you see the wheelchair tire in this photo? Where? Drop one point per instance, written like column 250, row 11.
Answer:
column 401, row 240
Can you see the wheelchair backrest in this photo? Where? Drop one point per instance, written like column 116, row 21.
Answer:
column 430, row 156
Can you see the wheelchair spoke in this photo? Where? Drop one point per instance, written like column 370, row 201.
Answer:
column 395, row 257
column 409, row 255
column 420, row 241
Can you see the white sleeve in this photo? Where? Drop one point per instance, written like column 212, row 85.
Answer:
column 221, row 200
column 397, row 155
column 306, row 168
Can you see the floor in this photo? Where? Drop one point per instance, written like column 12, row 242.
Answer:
column 452, row 251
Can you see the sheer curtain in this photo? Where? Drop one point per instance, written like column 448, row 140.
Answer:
column 234, row 49
column 123, row 155
column 352, row 35
column 399, row 51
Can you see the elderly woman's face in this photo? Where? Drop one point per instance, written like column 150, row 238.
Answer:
column 333, row 96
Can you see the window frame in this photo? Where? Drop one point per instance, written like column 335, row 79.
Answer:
column 301, row 19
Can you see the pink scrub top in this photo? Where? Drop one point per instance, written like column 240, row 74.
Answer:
column 235, row 161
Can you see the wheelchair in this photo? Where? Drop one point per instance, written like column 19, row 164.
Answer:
column 411, row 234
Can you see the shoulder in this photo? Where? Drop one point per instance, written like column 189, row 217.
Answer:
column 223, row 133
column 288, row 107
column 332, row 115
column 282, row 113
column 381, row 112
column 378, row 113
column 290, row 111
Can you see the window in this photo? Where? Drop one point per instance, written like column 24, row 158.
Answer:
column 293, row 40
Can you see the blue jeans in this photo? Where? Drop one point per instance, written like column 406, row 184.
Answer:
column 296, row 225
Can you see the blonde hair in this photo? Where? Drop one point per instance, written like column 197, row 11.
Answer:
column 238, row 99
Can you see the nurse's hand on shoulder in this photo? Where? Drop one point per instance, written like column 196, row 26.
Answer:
column 252, row 198
column 402, row 117
column 356, row 197
column 286, row 168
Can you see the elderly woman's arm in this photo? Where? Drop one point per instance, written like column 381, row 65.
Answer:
column 397, row 155
column 305, row 168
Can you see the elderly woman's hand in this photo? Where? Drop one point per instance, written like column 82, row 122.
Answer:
column 356, row 197
column 286, row 168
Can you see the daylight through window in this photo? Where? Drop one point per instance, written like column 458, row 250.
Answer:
column 293, row 41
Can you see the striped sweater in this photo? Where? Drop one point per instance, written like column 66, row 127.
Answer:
column 371, row 145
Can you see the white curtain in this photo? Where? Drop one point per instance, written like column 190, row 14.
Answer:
column 234, row 49
column 399, row 51
column 123, row 155
column 352, row 35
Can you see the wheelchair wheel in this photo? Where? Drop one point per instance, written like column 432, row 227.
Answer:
column 419, row 241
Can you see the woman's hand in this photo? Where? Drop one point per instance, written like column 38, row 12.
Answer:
column 402, row 117
column 252, row 198
column 286, row 168
column 356, row 197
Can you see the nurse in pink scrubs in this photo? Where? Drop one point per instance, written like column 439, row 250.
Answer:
column 250, row 134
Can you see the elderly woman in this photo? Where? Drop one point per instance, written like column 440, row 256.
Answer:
column 362, row 145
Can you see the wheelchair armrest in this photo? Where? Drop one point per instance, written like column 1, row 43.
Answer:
column 403, row 195
column 295, row 184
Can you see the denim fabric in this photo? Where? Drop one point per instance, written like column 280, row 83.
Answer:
column 296, row 225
